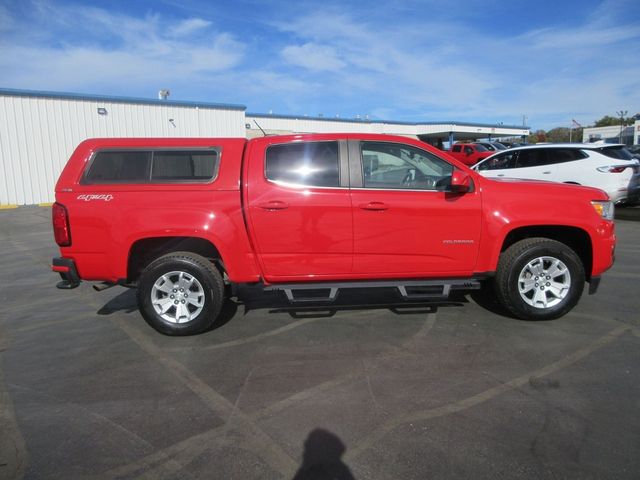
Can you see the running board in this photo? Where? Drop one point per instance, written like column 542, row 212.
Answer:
column 408, row 289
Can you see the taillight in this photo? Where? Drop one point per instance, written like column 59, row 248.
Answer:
column 613, row 168
column 61, row 231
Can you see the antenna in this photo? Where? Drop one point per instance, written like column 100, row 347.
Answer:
column 263, row 132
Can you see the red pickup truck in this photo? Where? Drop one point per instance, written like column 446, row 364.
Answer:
column 182, row 219
column 469, row 153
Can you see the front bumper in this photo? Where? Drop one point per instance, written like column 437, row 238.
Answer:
column 66, row 267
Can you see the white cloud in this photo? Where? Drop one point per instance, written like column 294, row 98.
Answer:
column 188, row 27
column 581, row 38
column 116, row 52
column 337, row 59
column 313, row 57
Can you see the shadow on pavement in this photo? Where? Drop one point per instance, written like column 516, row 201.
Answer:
column 322, row 458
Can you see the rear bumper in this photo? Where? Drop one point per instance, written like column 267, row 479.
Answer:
column 66, row 267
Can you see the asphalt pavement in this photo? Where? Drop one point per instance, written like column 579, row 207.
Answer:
column 88, row 390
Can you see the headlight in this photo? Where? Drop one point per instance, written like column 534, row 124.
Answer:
column 604, row 208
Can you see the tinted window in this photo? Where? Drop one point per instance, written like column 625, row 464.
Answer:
column 310, row 163
column 144, row 166
column 561, row 155
column 499, row 162
column 393, row 165
column 119, row 166
column 616, row 152
column 456, row 148
column 532, row 158
column 481, row 148
column 196, row 165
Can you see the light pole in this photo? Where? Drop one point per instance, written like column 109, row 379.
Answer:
column 622, row 113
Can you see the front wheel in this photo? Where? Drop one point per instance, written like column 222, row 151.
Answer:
column 180, row 293
column 539, row 279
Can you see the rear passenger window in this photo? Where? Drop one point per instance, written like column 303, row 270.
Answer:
column 304, row 163
column 561, row 155
column 532, row 158
column 153, row 166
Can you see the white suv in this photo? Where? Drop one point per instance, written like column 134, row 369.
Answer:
column 611, row 168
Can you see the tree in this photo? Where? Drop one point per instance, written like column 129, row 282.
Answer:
column 609, row 121
column 564, row 134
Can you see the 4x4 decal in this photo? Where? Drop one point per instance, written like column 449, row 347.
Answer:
column 90, row 197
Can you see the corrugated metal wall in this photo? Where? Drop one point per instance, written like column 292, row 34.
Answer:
column 329, row 125
column 38, row 134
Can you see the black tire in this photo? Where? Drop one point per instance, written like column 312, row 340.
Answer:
column 539, row 279
column 199, row 293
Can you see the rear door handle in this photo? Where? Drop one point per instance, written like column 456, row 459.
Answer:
column 500, row 175
column 374, row 206
column 273, row 205
column 547, row 172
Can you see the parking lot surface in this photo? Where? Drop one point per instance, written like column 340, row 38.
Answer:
column 88, row 390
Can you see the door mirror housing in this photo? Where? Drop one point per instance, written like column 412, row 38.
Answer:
column 461, row 182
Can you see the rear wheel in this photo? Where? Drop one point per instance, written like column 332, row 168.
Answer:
column 539, row 279
column 180, row 293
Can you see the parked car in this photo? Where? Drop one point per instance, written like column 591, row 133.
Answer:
column 187, row 221
column 512, row 144
column 611, row 168
column 492, row 146
column 469, row 153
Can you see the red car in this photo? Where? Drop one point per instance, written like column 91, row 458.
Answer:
column 469, row 153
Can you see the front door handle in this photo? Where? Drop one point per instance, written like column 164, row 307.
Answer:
column 273, row 205
column 547, row 172
column 377, row 206
column 500, row 175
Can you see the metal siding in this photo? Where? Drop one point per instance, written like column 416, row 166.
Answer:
column 38, row 134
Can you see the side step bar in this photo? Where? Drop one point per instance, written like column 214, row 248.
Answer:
column 438, row 289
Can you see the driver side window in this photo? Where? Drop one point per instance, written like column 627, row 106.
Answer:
column 398, row 166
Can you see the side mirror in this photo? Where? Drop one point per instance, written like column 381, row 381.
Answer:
column 461, row 182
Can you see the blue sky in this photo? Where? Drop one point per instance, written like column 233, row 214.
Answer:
column 479, row 61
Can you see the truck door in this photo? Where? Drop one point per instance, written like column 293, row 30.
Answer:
column 299, row 209
column 406, row 221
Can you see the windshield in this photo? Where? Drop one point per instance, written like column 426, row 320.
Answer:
column 618, row 152
column 499, row 146
column 480, row 148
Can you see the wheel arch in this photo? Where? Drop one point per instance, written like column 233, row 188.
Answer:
column 575, row 238
column 144, row 251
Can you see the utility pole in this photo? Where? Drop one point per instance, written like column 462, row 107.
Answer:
column 622, row 113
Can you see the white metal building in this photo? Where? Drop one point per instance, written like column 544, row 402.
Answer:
column 40, row 130
column 629, row 134
column 426, row 131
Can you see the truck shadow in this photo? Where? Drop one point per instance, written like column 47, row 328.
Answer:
column 126, row 302
column 250, row 298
